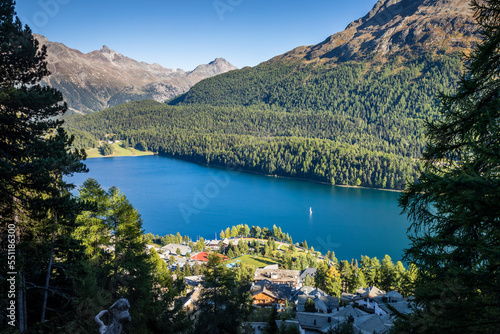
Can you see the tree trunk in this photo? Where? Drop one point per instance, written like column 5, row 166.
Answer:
column 21, row 290
column 115, row 276
column 47, row 277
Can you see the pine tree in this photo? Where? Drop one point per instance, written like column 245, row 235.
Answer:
column 34, row 156
column 225, row 303
column 387, row 274
column 272, row 326
column 309, row 281
column 454, row 206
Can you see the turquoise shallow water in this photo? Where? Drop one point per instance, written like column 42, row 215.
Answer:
column 177, row 196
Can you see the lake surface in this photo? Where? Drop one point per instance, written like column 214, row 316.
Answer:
column 177, row 196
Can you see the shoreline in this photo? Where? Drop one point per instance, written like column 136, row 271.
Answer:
column 253, row 172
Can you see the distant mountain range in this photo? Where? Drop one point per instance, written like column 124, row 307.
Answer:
column 105, row 78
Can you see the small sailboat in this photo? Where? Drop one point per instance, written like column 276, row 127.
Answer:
column 310, row 210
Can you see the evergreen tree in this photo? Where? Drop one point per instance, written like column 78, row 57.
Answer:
column 387, row 274
column 310, row 306
column 272, row 326
column 359, row 281
column 454, row 206
column 123, row 269
column 309, row 280
column 320, row 278
column 225, row 303
column 93, row 230
column 34, row 198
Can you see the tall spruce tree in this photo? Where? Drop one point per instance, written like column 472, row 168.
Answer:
column 34, row 156
column 455, row 205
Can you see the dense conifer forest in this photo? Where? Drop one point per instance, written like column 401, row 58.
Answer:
column 356, row 124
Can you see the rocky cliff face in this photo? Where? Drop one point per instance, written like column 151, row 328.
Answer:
column 105, row 78
column 398, row 26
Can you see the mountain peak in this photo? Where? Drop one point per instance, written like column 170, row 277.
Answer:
column 104, row 78
column 398, row 26
column 106, row 49
column 220, row 65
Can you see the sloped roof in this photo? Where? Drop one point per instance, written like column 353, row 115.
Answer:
column 315, row 321
column 327, row 304
column 194, row 280
column 193, row 297
column 308, row 271
column 394, row 294
column 370, row 324
column 276, row 291
column 277, row 275
column 372, row 292
column 403, row 307
column 172, row 248
column 347, row 297
column 347, row 311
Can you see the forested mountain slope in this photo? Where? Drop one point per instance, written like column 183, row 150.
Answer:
column 341, row 119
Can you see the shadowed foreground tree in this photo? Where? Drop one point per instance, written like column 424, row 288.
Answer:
column 455, row 205
column 34, row 199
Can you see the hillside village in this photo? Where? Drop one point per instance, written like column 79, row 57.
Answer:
column 291, row 290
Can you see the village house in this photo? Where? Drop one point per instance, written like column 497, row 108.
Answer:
column 171, row 249
column 193, row 281
column 323, row 303
column 213, row 244
column 190, row 305
column 307, row 272
column 362, row 321
column 322, row 322
column 375, row 301
column 149, row 247
column 278, row 276
column 266, row 293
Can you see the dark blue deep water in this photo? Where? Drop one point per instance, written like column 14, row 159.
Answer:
column 177, row 196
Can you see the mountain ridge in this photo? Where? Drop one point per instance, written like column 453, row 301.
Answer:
column 397, row 25
column 105, row 78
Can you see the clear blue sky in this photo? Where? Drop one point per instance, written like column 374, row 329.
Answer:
column 186, row 33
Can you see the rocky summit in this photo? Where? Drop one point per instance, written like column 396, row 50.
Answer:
column 105, row 78
column 398, row 26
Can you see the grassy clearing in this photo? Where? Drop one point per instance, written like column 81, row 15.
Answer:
column 256, row 261
column 118, row 151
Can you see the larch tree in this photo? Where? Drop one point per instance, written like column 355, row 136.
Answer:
column 454, row 206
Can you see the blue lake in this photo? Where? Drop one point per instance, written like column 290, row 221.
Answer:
column 177, row 196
